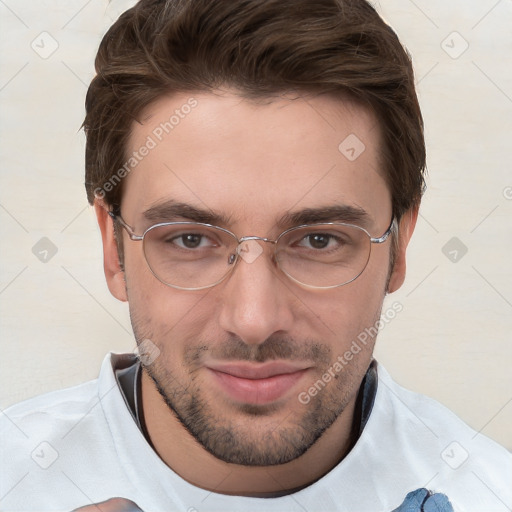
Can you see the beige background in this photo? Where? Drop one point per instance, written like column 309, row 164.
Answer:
column 451, row 341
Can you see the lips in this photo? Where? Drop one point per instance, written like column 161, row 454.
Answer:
column 256, row 384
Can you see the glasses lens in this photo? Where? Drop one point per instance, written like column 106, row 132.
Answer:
column 324, row 256
column 189, row 255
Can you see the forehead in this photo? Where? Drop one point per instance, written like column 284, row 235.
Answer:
column 255, row 160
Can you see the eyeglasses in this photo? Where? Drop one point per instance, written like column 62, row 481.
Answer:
column 195, row 256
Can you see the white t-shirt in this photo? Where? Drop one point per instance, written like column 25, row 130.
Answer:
column 81, row 445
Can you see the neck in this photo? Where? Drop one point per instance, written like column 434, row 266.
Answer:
column 186, row 457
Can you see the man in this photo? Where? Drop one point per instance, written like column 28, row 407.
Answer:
column 256, row 168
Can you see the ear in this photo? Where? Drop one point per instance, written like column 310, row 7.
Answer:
column 405, row 230
column 113, row 271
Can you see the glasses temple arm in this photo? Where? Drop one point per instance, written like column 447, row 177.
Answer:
column 392, row 227
column 129, row 230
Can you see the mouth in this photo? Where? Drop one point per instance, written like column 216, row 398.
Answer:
column 256, row 384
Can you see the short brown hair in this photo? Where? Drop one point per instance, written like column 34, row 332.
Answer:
column 261, row 48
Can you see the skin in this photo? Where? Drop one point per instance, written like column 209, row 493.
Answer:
column 253, row 162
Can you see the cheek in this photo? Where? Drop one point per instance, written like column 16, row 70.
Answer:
column 349, row 311
column 357, row 308
column 156, row 309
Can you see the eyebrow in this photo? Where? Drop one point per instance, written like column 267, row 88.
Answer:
column 333, row 213
column 172, row 210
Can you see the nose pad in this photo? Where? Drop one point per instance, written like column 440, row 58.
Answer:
column 249, row 250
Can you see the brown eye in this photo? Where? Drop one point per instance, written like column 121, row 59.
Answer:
column 318, row 241
column 190, row 241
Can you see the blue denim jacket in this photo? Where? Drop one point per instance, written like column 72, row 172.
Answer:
column 422, row 500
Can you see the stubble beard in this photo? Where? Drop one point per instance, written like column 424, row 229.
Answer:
column 256, row 435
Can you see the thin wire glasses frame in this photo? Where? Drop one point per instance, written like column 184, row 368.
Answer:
column 235, row 256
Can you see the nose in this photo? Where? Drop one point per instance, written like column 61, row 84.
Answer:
column 256, row 300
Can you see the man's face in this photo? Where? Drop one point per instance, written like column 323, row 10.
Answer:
column 235, row 357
